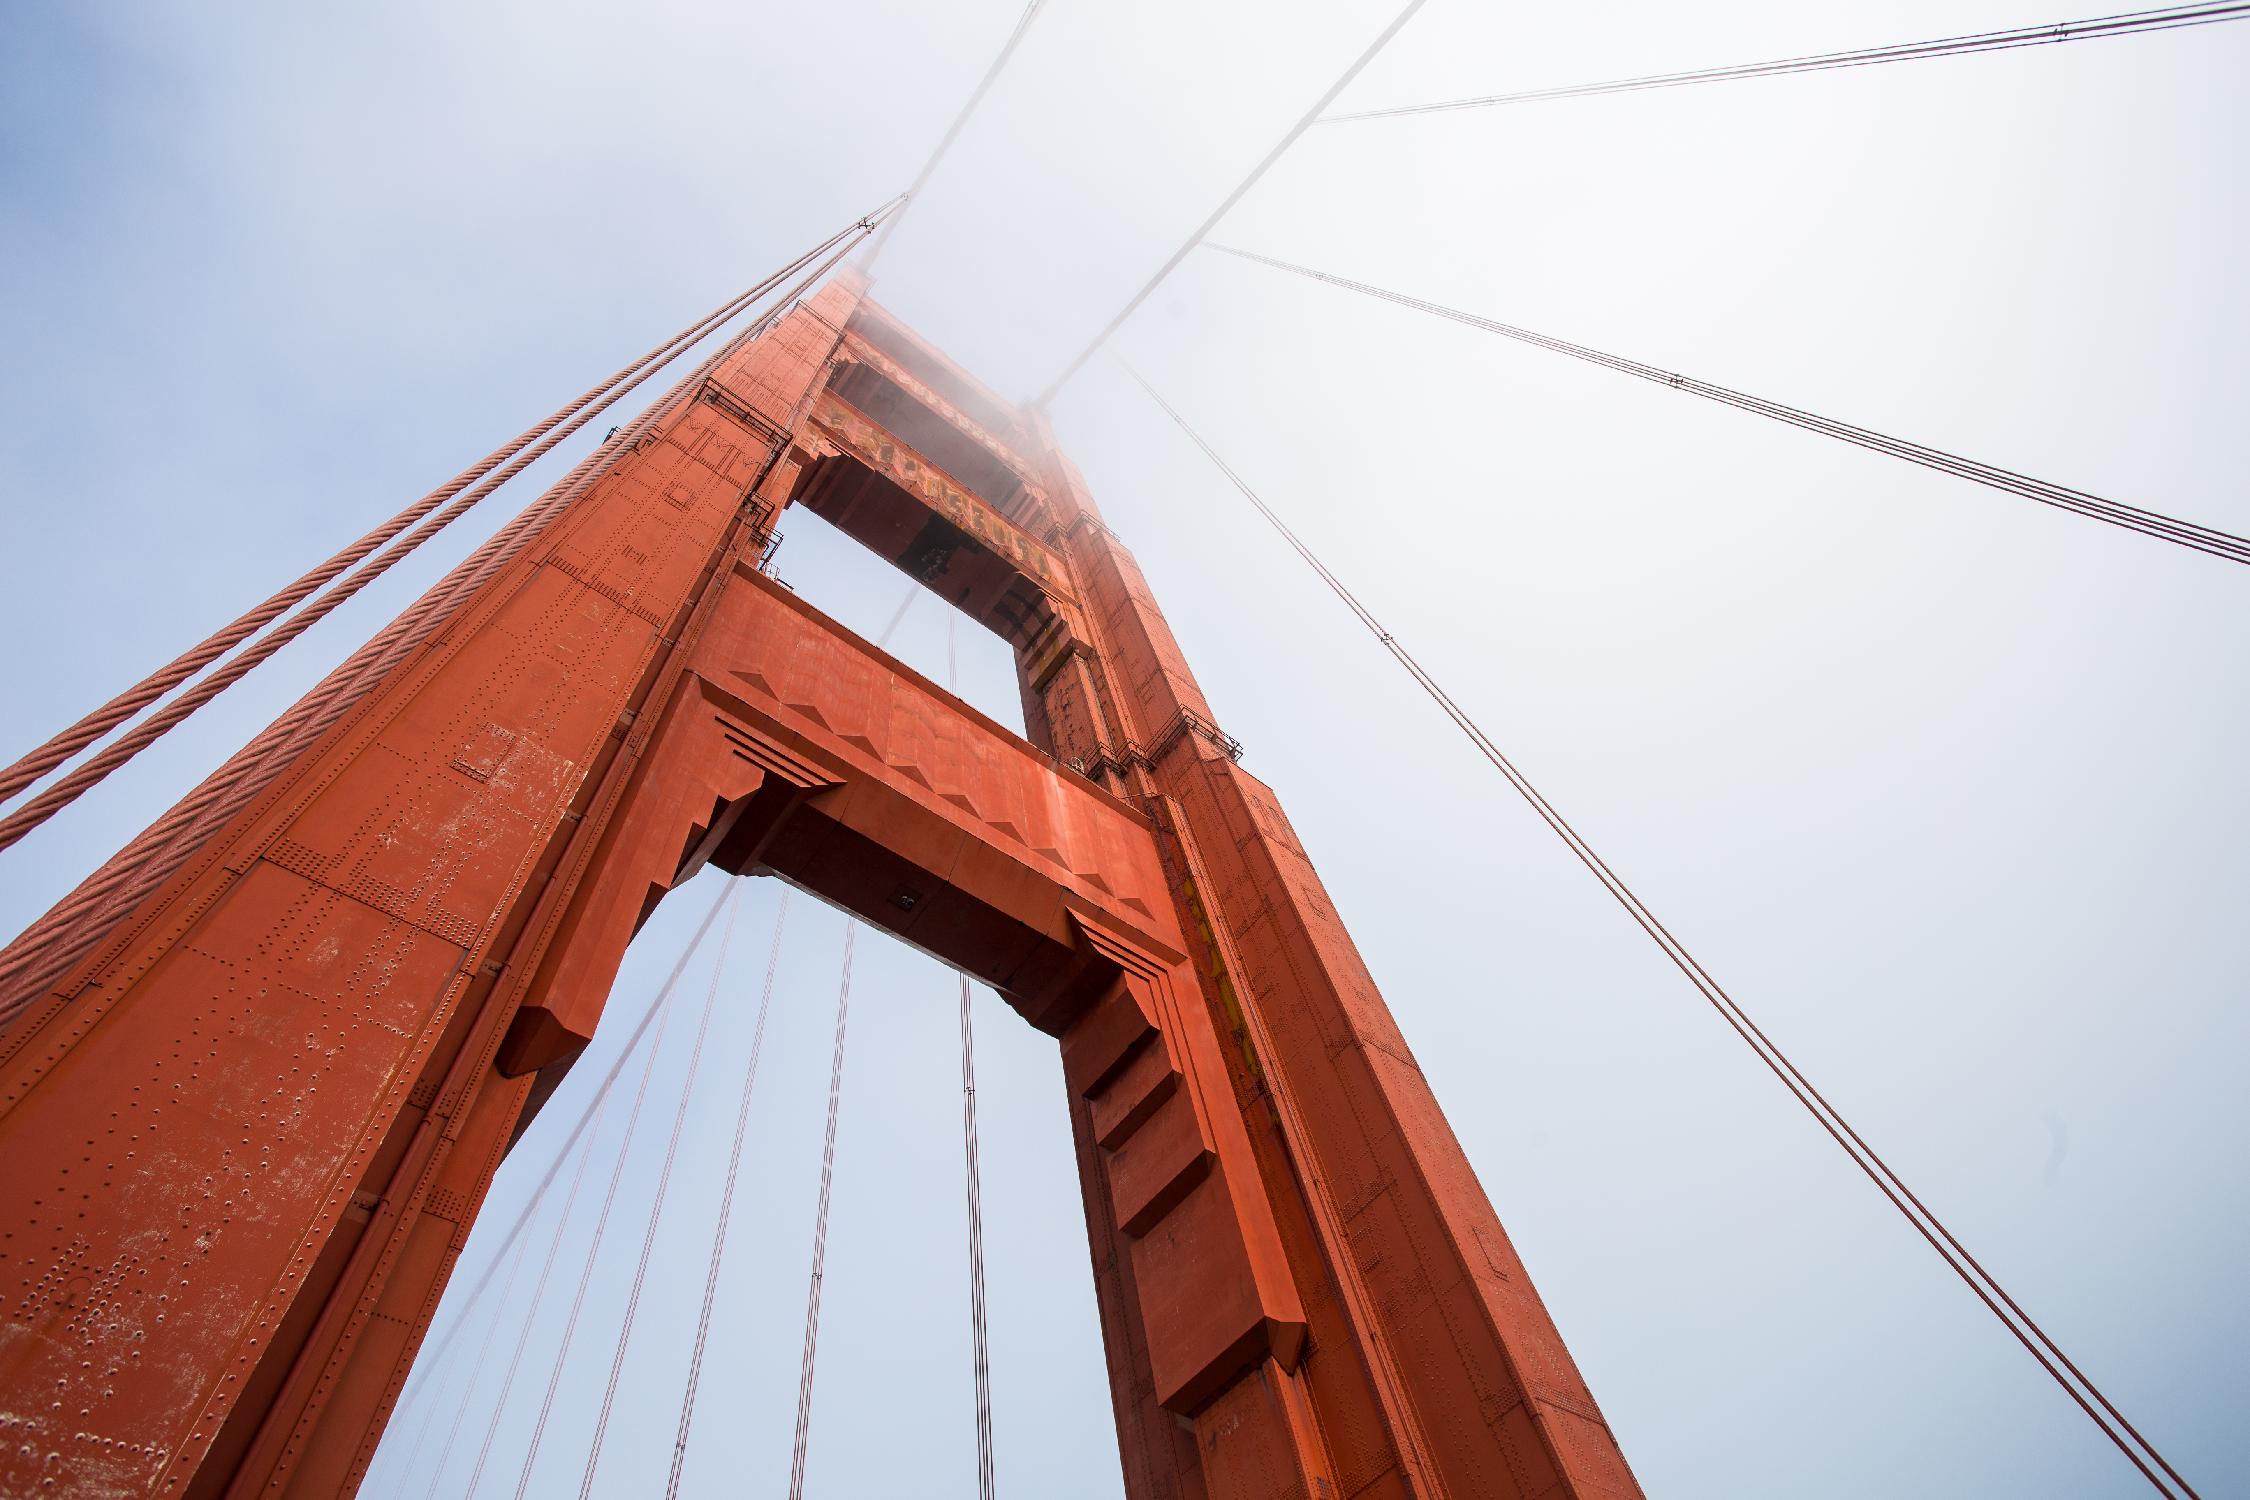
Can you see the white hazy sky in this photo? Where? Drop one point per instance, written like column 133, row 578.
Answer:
column 1946, row 787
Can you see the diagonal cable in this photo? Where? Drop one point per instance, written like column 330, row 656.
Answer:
column 1227, row 203
column 586, row 1272
column 45, row 952
column 601, row 1220
column 2168, row 19
column 67, row 742
column 2190, row 534
column 1995, row 1297
column 952, row 133
column 427, row 521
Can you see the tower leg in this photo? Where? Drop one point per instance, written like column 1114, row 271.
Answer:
column 241, row 1147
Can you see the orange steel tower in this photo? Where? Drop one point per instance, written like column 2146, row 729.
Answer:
column 241, row 1145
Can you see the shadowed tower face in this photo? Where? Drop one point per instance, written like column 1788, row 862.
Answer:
column 242, row 1144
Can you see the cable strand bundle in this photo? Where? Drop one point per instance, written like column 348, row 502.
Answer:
column 425, row 517
column 44, row 953
column 801, row 1445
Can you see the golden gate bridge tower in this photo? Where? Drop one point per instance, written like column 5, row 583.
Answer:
column 246, row 1131
column 257, row 1072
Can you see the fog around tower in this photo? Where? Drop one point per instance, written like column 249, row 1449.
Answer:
column 1945, row 786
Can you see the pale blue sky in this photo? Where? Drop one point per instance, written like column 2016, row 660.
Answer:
column 1947, row 788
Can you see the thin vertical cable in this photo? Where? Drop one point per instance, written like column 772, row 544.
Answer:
column 476, row 1369
column 601, row 1093
column 601, row 1221
column 730, row 899
column 426, row 1405
column 980, row 1349
column 523, row 1335
column 803, row 1441
column 726, row 1208
column 898, row 616
column 655, row 1214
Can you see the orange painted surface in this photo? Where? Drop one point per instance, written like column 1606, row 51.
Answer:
column 240, row 1153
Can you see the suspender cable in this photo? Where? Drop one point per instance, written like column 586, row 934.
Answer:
column 2148, row 523
column 601, row 1220
column 428, row 1389
column 2105, row 1415
column 726, row 1208
column 657, row 1007
column 803, row 1442
column 523, row 1335
column 46, row 951
column 2167, row 19
column 1227, row 204
column 898, row 615
column 655, row 1217
column 980, row 1351
column 476, row 1370
column 616, row 1177
column 558, row 427
column 952, row 132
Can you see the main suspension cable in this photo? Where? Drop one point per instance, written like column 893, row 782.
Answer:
column 1988, row 1289
column 44, row 953
column 979, row 1342
column 424, row 516
column 2134, row 22
column 952, row 133
column 1227, row 203
column 803, row 1441
column 2148, row 523
column 624, row 1337
column 726, row 1207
